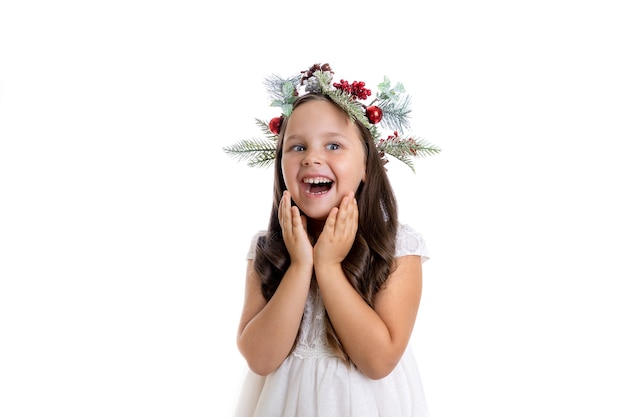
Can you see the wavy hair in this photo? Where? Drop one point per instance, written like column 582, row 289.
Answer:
column 372, row 256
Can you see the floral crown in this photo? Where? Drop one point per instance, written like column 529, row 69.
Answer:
column 389, row 108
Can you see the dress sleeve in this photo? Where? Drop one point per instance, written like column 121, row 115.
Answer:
column 252, row 249
column 410, row 242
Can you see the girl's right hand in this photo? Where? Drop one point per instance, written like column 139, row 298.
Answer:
column 295, row 235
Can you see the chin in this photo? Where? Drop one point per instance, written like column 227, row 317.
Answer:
column 316, row 214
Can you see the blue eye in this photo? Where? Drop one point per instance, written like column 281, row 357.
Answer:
column 297, row 148
column 333, row 146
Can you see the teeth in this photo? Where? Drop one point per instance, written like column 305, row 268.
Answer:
column 317, row 180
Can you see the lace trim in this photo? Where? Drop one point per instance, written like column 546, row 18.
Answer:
column 312, row 339
column 410, row 242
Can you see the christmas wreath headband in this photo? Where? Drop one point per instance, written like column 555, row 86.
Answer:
column 389, row 108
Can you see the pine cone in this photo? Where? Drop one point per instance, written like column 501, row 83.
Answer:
column 315, row 67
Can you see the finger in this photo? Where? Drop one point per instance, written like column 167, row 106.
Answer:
column 285, row 211
column 344, row 214
column 331, row 221
column 294, row 213
column 355, row 216
column 281, row 216
column 351, row 208
column 348, row 222
column 303, row 221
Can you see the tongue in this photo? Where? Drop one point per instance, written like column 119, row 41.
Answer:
column 318, row 188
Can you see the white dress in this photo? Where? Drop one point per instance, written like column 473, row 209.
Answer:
column 313, row 382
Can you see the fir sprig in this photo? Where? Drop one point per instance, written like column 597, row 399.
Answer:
column 395, row 104
column 265, row 128
column 257, row 152
column 396, row 113
column 406, row 148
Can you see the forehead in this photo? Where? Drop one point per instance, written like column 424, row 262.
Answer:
column 320, row 117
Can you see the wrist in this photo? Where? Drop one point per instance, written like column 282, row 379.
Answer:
column 325, row 269
column 301, row 266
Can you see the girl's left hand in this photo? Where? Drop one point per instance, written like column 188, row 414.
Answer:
column 338, row 234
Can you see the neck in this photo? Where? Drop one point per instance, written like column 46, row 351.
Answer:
column 315, row 227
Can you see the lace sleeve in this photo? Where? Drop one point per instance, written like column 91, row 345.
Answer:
column 410, row 242
column 252, row 249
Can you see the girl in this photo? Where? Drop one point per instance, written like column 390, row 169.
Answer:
column 334, row 285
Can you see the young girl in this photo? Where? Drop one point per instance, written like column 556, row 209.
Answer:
column 334, row 285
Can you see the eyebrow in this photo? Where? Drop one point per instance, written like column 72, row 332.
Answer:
column 326, row 135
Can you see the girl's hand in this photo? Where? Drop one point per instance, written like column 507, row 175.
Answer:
column 294, row 232
column 338, row 234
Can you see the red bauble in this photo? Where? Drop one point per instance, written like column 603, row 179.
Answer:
column 374, row 114
column 275, row 125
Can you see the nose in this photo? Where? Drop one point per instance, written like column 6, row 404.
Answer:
column 311, row 158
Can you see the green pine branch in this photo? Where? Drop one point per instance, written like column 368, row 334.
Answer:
column 257, row 152
column 406, row 149
column 265, row 128
column 263, row 160
column 395, row 113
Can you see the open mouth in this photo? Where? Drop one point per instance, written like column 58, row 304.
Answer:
column 317, row 185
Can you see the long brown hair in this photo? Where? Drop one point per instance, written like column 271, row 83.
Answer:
column 371, row 259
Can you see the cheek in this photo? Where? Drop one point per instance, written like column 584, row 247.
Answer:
column 288, row 172
column 357, row 177
column 362, row 168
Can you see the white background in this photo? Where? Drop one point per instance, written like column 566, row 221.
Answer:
column 124, row 227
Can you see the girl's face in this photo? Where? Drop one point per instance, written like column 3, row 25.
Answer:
column 323, row 157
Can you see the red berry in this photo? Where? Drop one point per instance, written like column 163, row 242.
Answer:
column 374, row 114
column 275, row 125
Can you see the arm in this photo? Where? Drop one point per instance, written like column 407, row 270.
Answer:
column 267, row 330
column 374, row 338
